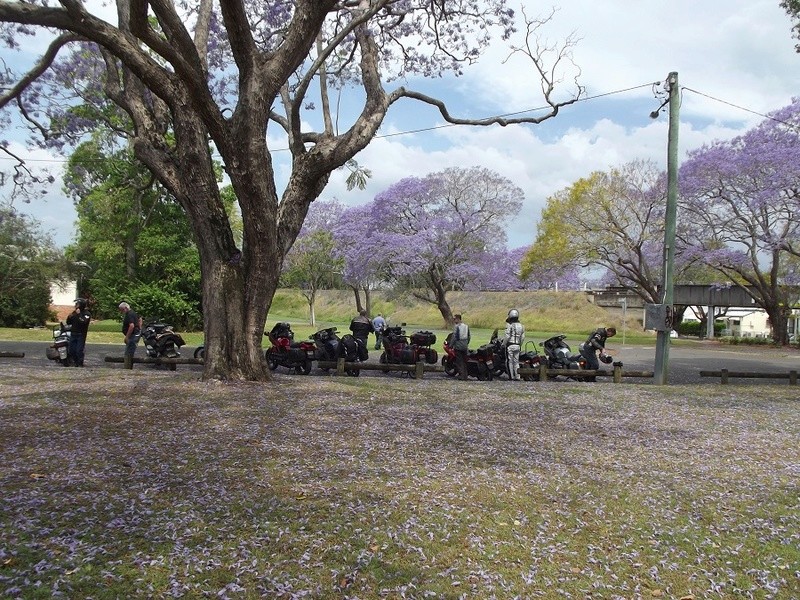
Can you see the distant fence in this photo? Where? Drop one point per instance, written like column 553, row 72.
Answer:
column 725, row 375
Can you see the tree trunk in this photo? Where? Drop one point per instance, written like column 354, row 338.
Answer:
column 777, row 319
column 368, row 301
column 357, row 294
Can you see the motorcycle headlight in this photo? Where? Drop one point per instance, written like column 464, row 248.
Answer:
column 56, row 333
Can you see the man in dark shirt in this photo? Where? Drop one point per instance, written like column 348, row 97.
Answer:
column 132, row 332
column 78, row 320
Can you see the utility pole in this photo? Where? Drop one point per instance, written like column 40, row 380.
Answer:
column 663, row 337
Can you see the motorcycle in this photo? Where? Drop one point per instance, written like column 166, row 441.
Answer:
column 529, row 359
column 59, row 349
column 559, row 355
column 285, row 352
column 329, row 348
column 399, row 349
column 479, row 362
column 160, row 341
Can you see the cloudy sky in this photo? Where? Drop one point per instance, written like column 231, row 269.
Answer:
column 735, row 59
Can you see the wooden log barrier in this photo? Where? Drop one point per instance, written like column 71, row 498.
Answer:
column 5, row 354
column 170, row 362
column 616, row 374
column 725, row 375
column 418, row 368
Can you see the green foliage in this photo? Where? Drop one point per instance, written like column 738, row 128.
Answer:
column 696, row 328
column 151, row 259
column 155, row 303
column 28, row 263
column 747, row 341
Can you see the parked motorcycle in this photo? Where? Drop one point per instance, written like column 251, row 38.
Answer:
column 479, row 362
column 560, row 356
column 399, row 349
column 285, row 352
column 59, row 349
column 529, row 359
column 327, row 344
column 161, row 341
column 352, row 349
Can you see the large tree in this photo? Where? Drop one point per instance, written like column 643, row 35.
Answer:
column 740, row 200
column 151, row 261
column 439, row 233
column 610, row 220
column 198, row 80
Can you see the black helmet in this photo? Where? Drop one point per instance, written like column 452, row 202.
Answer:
column 81, row 302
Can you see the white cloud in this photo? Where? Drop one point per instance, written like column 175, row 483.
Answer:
column 739, row 51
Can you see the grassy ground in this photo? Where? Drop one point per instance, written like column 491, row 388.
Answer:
column 124, row 485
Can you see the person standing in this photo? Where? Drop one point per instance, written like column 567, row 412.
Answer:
column 378, row 325
column 461, row 345
column 515, row 335
column 78, row 320
column 361, row 327
column 131, row 329
column 594, row 343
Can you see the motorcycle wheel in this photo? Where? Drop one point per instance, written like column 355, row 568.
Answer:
column 272, row 361
column 449, row 367
column 382, row 358
column 200, row 352
column 305, row 368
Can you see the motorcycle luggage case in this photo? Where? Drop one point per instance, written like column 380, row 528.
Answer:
column 408, row 356
column 431, row 357
column 296, row 355
column 423, row 338
column 485, row 351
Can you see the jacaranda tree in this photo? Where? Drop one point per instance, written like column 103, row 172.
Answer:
column 740, row 204
column 190, row 82
column 440, row 232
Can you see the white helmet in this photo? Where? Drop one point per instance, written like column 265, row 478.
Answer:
column 513, row 314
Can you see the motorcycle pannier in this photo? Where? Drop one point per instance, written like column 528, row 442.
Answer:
column 431, row 357
column 408, row 356
column 485, row 351
column 423, row 338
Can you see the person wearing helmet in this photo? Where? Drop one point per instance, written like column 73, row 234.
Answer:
column 78, row 320
column 515, row 335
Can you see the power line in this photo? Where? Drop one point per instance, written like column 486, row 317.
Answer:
column 511, row 114
column 755, row 112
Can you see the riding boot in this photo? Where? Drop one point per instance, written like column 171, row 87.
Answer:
column 128, row 362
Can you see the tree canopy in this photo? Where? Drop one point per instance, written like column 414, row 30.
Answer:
column 151, row 261
column 29, row 262
column 187, row 82
column 437, row 233
column 610, row 220
column 740, row 203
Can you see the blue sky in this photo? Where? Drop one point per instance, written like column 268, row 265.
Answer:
column 739, row 51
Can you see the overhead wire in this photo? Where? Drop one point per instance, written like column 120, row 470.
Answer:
column 519, row 112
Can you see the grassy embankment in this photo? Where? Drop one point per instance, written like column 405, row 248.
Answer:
column 542, row 313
